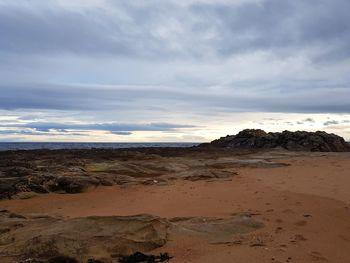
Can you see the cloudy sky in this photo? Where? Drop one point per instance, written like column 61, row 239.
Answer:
column 172, row 70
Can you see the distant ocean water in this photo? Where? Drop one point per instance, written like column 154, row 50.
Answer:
column 5, row 146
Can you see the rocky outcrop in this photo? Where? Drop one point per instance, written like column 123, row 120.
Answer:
column 78, row 171
column 319, row 141
column 97, row 239
column 25, row 173
column 46, row 237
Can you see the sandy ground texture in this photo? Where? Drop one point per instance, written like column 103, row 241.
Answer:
column 305, row 209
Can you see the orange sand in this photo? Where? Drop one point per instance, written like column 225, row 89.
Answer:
column 305, row 207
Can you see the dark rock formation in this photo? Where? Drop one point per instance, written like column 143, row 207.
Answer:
column 72, row 184
column 319, row 141
column 76, row 171
column 139, row 257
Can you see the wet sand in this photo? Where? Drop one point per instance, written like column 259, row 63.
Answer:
column 305, row 208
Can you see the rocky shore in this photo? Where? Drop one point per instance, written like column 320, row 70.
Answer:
column 242, row 192
column 319, row 141
column 74, row 171
column 109, row 237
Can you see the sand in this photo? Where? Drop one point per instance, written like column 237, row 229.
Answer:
column 305, row 208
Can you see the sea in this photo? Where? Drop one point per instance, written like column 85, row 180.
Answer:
column 7, row 146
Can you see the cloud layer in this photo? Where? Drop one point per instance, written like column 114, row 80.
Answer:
column 144, row 63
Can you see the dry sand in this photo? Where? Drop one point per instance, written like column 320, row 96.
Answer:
column 305, row 208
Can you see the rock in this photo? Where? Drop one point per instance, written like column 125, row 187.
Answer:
column 32, row 260
column 92, row 260
column 106, row 181
column 62, row 259
column 208, row 174
column 58, row 259
column 124, row 179
column 72, row 184
column 17, row 171
column 139, row 257
column 37, row 188
column 25, row 195
column 76, row 169
column 6, row 190
column 215, row 230
column 319, row 141
column 14, row 215
column 80, row 239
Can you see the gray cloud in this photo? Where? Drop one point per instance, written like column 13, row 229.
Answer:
column 333, row 122
column 115, row 128
column 121, row 133
column 146, row 62
column 288, row 26
column 102, row 98
column 139, row 30
column 57, row 30
column 39, row 133
column 50, row 28
column 306, row 121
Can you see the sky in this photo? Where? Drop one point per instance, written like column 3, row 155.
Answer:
column 172, row 70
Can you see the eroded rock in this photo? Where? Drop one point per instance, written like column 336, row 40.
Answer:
column 72, row 184
column 76, row 171
column 80, row 238
column 43, row 238
column 215, row 230
column 139, row 257
column 319, row 141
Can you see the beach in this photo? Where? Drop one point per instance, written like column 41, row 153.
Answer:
column 303, row 206
column 191, row 131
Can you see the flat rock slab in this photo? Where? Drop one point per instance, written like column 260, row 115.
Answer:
column 77, row 171
column 215, row 230
column 107, row 237
column 79, row 238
